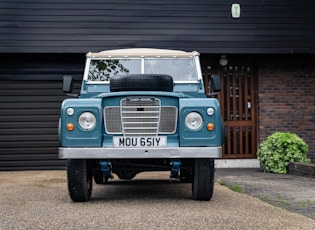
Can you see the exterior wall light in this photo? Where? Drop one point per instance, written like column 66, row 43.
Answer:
column 236, row 10
column 223, row 60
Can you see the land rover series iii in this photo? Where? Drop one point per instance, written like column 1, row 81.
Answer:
column 140, row 110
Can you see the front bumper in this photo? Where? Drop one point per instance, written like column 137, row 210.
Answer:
column 140, row 153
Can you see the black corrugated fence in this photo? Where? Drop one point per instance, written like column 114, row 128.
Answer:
column 30, row 99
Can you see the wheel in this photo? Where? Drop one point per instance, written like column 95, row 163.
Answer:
column 203, row 179
column 144, row 82
column 79, row 180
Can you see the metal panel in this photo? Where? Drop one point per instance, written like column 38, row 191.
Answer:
column 73, row 26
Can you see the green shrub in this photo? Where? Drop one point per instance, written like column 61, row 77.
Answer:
column 279, row 149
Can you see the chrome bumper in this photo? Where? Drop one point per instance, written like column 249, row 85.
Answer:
column 140, row 153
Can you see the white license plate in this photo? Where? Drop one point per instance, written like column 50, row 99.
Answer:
column 139, row 142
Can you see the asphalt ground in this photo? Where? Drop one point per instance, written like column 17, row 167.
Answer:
column 39, row 200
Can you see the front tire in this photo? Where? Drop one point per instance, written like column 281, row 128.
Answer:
column 79, row 180
column 203, row 179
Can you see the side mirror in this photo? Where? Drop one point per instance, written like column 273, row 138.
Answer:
column 67, row 84
column 216, row 82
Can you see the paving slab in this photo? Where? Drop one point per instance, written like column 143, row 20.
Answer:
column 291, row 192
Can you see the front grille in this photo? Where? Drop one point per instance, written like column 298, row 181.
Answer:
column 140, row 116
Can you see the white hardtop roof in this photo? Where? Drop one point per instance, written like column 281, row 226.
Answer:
column 141, row 52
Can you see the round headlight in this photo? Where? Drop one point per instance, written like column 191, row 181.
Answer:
column 87, row 120
column 193, row 120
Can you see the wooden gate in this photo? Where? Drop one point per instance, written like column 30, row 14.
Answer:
column 238, row 108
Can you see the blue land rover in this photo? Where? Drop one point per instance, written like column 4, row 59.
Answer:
column 140, row 110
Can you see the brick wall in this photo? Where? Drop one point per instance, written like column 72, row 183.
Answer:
column 286, row 98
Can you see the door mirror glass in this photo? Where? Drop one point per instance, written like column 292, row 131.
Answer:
column 67, row 84
column 216, row 82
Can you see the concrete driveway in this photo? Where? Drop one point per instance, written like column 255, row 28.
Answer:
column 39, row 200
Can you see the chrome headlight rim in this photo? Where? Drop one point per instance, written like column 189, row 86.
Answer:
column 193, row 121
column 87, row 121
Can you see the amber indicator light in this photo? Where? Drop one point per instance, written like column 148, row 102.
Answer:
column 70, row 126
column 210, row 126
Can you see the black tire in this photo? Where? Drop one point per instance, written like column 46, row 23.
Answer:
column 203, row 179
column 79, row 180
column 141, row 82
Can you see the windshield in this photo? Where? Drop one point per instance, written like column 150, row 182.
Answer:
column 181, row 69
